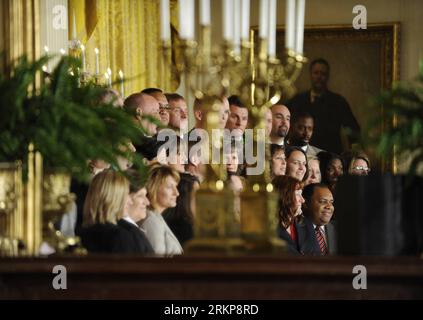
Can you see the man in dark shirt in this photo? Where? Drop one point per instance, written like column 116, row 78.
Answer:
column 330, row 110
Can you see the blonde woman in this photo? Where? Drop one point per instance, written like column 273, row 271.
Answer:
column 162, row 192
column 106, row 203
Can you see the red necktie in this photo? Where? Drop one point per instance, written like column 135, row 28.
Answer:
column 321, row 241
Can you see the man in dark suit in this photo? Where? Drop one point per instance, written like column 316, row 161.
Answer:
column 318, row 210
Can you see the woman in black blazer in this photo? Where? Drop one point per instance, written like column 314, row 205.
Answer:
column 107, row 197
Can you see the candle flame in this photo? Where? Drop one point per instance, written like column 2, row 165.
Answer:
column 121, row 74
column 82, row 47
column 62, row 51
column 109, row 71
column 44, row 67
column 96, row 51
column 106, row 75
column 46, row 49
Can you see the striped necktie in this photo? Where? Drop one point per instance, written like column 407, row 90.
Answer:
column 321, row 241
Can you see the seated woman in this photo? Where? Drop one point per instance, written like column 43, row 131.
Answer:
column 162, row 192
column 236, row 182
column 277, row 160
column 107, row 197
column 314, row 175
column 296, row 163
column 180, row 218
column 136, row 210
column 357, row 163
column 291, row 226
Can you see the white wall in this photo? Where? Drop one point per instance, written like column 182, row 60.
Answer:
column 324, row 12
column 51, row 36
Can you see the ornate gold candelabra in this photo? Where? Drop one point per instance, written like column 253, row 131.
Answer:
column 260, row 81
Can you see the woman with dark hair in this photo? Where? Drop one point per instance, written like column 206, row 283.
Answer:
column 331, row 168
column 180, row 218
column 136, row 210
column 291, row 225
column 296, row 163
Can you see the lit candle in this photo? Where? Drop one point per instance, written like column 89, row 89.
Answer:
column 300, row 26
column 186, row 19
column 237, row 26
column 73, row 25
column 83, row 57
column 165, row 20
column 290, row 24
column 108, row 81
column 272, row 29
column 109, row 78
column 264, row 18
column 228, row 23
column 245, row 20
column 46, row 51
column 122, row 88
column 205, row 13
column 97, row 62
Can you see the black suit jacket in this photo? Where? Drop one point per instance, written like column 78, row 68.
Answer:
column 330, row 229
column 330, row 235
column 141, row 243
column 306, row 240
column 108, row 238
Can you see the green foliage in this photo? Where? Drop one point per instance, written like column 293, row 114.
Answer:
column 403, row 121
column 65, row 121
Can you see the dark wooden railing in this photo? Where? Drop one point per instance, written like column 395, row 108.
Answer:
column 211, row 277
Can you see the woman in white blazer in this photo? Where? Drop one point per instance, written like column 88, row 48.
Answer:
column 162, row 192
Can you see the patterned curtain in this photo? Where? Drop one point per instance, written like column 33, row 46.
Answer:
column 127, row 34
column 19, row 28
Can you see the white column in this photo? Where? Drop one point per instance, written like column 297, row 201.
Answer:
column 264, row 18
column 300, row 26
column 205, row 12
column 186, row 19
column 245, row 20
column 164, row 20
column 228, row 24
column 272, row 29
column 290, row 24
column 237, row 26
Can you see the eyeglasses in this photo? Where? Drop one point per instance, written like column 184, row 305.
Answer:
column 359, row 168
column 164, row 107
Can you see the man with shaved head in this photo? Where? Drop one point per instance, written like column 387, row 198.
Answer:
column 144, row 105
column 161, row 98
column 281, row 118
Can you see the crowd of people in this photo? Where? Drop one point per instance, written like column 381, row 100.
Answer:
column 155, row 213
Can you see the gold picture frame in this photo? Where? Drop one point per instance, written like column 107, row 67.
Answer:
column 363, row 62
